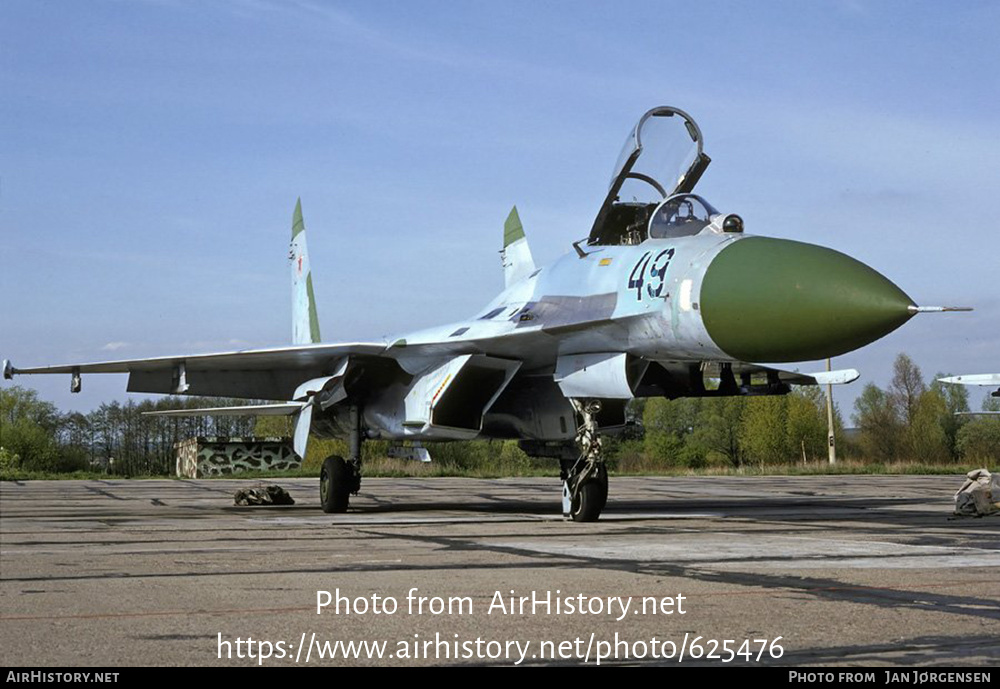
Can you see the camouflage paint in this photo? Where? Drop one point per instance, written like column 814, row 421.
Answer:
column 200, row 457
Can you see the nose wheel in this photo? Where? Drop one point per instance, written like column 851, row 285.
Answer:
column 585, row 481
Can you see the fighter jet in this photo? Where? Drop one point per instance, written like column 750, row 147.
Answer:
column 666, row 296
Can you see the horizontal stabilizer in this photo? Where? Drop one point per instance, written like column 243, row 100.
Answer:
column 283, row 409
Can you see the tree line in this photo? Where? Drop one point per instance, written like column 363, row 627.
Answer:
column 930, row 423
column 912, row 420
column 115, row 438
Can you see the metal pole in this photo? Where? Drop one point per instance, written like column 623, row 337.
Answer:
column 829, row 419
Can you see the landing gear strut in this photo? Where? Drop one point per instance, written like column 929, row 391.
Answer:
column 585, row 481
column 340, row 478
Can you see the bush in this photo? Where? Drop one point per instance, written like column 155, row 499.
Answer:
column 8, row 460
column 979, row 441
column 33, row 444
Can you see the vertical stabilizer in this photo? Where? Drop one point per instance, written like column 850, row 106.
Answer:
column 516, row 255
column 305, row 322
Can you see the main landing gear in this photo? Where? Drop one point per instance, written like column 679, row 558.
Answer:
column 585, row 481
column 340, row 478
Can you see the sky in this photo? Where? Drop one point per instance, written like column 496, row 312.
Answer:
column 151, row 153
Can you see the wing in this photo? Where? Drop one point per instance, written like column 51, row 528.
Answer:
column 974, row 379
column 251, row 374
column 989, row 379
column 279, row 373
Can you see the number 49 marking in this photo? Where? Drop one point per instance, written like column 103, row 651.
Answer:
column 657, row 272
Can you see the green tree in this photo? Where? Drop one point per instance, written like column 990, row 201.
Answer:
column 926, row 437
column 8, row 460
column 978, row 441
column 670, row 427
column 879, row 426
column 806, row 422
column 274, row 426
column 763, row 437
column 28, row 428
column 718, row 429
column 905, row 389
column 22, row 404
column 956, row 399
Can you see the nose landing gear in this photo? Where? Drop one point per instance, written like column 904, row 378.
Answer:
column 585, row 481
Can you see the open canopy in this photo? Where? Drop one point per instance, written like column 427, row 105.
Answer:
column 662, row 156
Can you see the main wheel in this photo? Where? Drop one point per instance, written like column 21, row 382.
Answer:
column 589, row 501
column 335, row 481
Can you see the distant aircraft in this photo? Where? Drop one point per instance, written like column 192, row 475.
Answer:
column 666, row 297
column 989, row 379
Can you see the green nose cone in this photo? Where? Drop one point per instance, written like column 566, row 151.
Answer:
column 777, row 300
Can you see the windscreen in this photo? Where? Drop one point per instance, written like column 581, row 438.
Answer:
column 681, row 216
column 669, row 149
column 662, row 156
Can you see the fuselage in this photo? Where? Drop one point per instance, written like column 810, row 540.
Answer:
column 708, row 297
column 680, row 302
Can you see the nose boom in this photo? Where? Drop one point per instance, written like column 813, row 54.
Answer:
column 778, row 300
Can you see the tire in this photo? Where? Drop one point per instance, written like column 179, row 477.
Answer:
column 602, row 481
column 589, row 501
column 335, row 480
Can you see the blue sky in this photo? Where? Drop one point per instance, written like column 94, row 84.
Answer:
column 152, row 151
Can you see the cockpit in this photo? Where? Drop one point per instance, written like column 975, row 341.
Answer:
column 650, row 191
column 681, row 215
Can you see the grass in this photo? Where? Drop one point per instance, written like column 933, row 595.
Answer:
column 385, row 467
column 813, row 469
column 28, row 475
